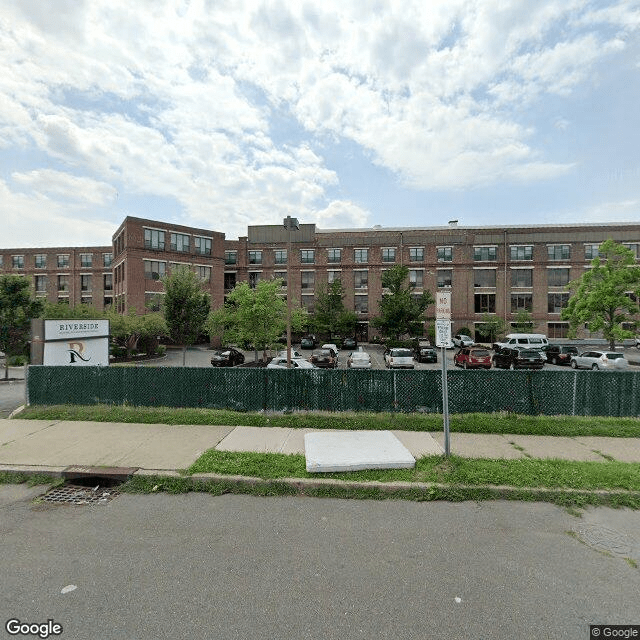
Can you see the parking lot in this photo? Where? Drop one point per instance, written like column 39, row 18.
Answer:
column 200, row 356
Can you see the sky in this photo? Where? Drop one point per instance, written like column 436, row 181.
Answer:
column 221, row 114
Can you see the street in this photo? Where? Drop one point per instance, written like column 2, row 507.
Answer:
column 198, row 566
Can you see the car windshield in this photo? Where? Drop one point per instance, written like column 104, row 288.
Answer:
column 614, row 356
column 401, row 353
column 570, row 350
column 479, row 353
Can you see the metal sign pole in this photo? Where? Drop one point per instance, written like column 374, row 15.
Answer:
column 443, row 336
column 445, row 403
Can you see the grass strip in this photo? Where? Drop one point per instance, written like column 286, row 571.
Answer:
column 529, row 473
column 495, row 423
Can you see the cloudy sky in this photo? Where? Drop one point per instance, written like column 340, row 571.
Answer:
column 346, row 113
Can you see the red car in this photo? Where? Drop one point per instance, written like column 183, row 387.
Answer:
column 472, row 358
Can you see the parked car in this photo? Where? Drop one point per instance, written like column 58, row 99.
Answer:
column 472, row 358
column 333, row 348
column 559, row 354
column 308, row 342
column 359, row 360
column 296, row 363
column 426, row 353
column 228, row 357
column 637, row 342
column 399, row 358
column 294, row 353
column 324, row 359
column 523, row 340
column 513, row 358
column 463, row 341
column 349, row 343
column 606, row 360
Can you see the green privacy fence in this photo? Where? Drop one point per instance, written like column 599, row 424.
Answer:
column 248, row 389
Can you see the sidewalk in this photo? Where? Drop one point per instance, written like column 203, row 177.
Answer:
column 53, row 445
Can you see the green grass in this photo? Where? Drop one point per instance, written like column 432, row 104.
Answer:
column 550, row 474
column 569, row 426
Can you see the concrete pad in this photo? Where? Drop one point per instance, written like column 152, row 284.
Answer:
column 472, row 445
column 419, row 443
column 259, row 439
column 620, row 449
column 354, row 451
column 554, row 447
column 157, row 446
column 13, row 429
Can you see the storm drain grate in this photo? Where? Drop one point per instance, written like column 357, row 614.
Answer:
column 76, row 494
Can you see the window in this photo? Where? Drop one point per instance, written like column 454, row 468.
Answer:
column 361, row 304
column 85, row 283
column 63, row 260
column 107, row 259
column 204, row 273
column 361, row 255
column 180, row 242
column 444, row 278
column 522, row 253
column 107, row 282
column 484, row 254
column 280, row 256
column 484, row 302
column 521, row 302
column 1, row 262
column 307, row 280
column 281, row 275
column 307, row 256
column 308, row 303
column 633, row 247
column 229, row 281
column 41, row 261
column 86, row 299
column 334, row 255
column 17, row 262
column 444, row 254
column 107, row 302
column 152, row 300
column 484, row 277
column 63, row 283
column 557, row 302
column 41, row 284
column 521, row 277
column 557, row 277
column 360, row 279
column 154, row 239
column 118, row 244
column 416, row 278
column 202, row 246
column 558, row 329
column 230, row 257
column 154, row 269
column 332, row 276
column 559, row 251
column 86, row 260
column 591, row 251
column 416, row 254
column 255, row 257
column 254, row 278
column 389, row 255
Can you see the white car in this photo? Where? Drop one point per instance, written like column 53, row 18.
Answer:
column 296, row 363
column 463, row 341
column 606, row 360
column 334, row 348
column 294, row 354
column 399, row 358
column 359, row 360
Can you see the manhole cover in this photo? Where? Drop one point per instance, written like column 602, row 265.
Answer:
column 604, row 539
column 75, row 494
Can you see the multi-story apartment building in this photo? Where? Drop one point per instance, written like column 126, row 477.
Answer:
column 489, row 270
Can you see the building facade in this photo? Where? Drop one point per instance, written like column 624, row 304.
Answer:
column 489, row 270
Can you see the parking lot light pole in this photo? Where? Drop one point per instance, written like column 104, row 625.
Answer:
column 289, row 224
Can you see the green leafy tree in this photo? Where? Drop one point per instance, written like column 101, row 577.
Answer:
column 17, row 307
column 523, row 322
column 63, row 310
column 492, row 326
column 600, row 297
column 330, row 315
column 401, row 311
column 255, row 316
column 185, row 307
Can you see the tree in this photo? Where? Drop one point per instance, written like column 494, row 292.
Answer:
column 17, row 307
column 255, row 316
column 523, row 322
column 605, row 296
column 185, row 307
column 491, row 327
column 401, row 311
column 330, row 315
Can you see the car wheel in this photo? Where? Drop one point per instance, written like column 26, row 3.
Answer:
column 512, row 366
column 464, row 365
column 554, row 361
column 595, row 367
column 573, row 364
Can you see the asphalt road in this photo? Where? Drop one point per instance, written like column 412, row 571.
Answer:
column 240, row 567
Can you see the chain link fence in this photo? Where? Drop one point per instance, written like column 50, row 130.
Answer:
column 587, row 393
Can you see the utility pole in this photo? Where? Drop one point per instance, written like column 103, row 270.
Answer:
column 289, row 224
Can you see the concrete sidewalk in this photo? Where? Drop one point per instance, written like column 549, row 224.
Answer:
column 53, row 445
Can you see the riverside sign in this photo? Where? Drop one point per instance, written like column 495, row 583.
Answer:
column 79, row 343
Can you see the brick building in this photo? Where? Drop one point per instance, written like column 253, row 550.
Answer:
column 496, row 270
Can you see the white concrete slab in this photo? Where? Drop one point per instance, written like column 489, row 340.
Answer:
column 354, row 451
